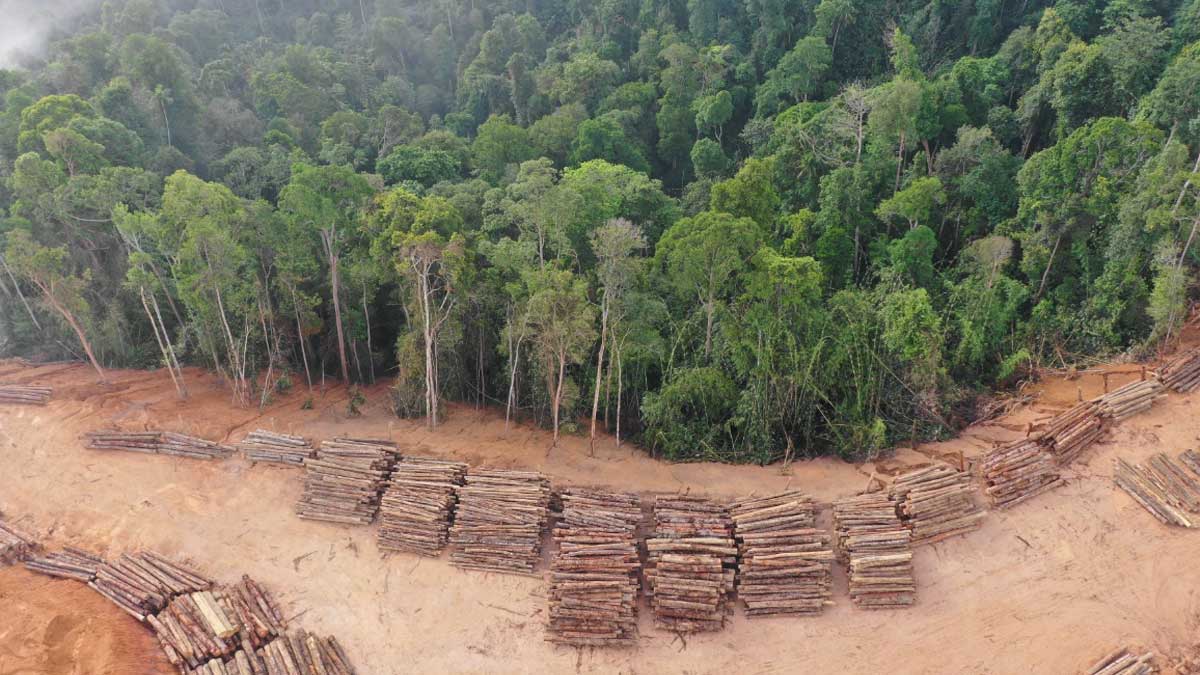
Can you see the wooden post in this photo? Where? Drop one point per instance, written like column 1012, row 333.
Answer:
column 1078, row 394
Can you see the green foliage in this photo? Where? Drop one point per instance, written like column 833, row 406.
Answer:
column 419, row 165
column 687, row 418
column 750, row 193
column 915, row 203
column 498, row 145
column 795, row 228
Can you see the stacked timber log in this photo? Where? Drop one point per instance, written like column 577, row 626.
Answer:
column 1130, row 400
column 878, row 550
column 417, row 506
column 343, row 483
column 157, row 443
column 594, row 574
column 691, row 564
column 1191, row 459
column 1015, row 472
column 143, row 583
column 182, row 445
column 70, row 563
column 499, row 520
column 1181, row 484
column 1124, row 662
column 19, row 394
column 936, row 503
column 267, row 446
column 15, row 545
column 1164, row 488
column 1070, row 433
column 300, row 653
column 198, row 627
column 129, row 441
column 1182, row 373
column 786, row 562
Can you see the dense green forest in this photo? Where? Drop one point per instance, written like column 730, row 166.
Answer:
column 727, row 229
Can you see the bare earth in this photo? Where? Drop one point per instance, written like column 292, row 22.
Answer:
column 1047, row 587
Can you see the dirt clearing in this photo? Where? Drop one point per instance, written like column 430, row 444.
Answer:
column 1047, row 587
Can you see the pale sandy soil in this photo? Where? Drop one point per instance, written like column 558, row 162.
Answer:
column 1046, row 587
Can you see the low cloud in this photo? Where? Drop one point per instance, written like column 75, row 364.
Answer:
column 26, row 25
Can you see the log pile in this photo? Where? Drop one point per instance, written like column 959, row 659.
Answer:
column 1133, row 398
column 691, row 564
column 417, row 505
column 267, row 446
column 256, row 611
column 343, row 483
column 786, row 562
column 143, row 583
column 1182, row 373
column 15, row 545
column 1070, row 433
column 157, row 443
column 1015, row 472
column 936, row 503
column 878, row 550
column 194, row 628
column 70, row 563
column 129, row 441
column 1191, row 459
column 198, row 627
column 1165, row 489
column 499, row 520
column 300, row 653
column 594, row 574
column 19, row 394
column 1124, row 662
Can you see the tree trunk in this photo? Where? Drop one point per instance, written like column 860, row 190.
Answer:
column 514, row 359
column 170, row 348
column 236, row 367
column 899, row 164
column 562, row 370
column 709, row 310
column 328, row 236
column 1049, row 264
column 21, row 295
column 262, row 318
column 166, row 122
column 70, row 318
column 430, row 402
column 480, row 383
column 162, row 348
column 1188, row 245
column 599, row 370
column 300, row 338
column 1186, row 184
column 367, row 320
column 619, row 388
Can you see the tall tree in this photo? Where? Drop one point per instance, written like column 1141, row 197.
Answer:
column 327, row 200
column 46, row 269
column 562, row 323
column 616, row 243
